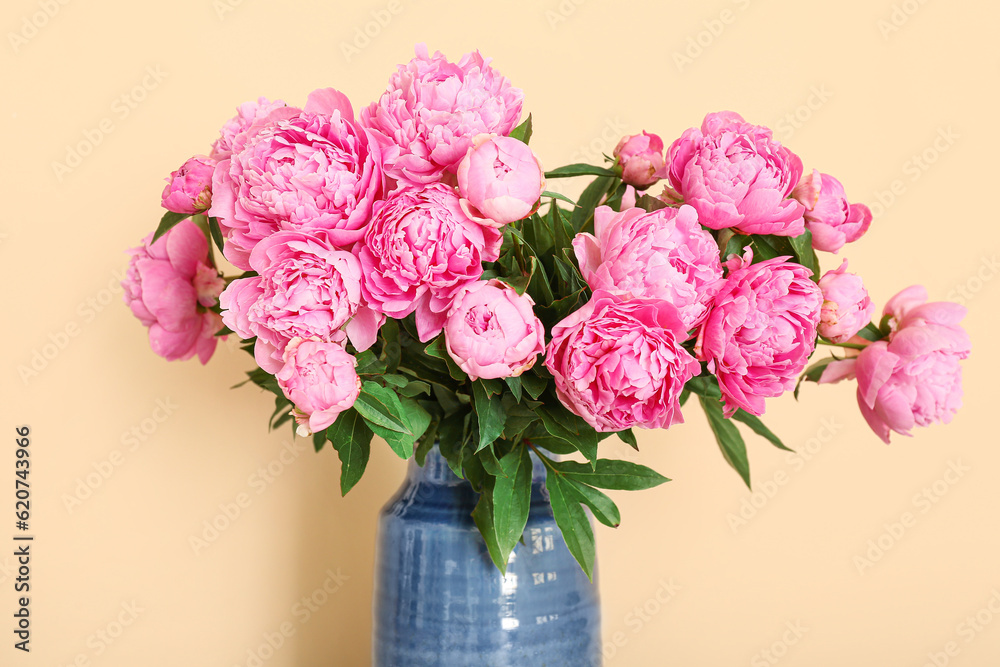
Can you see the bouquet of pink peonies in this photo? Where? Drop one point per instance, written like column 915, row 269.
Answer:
column 396, row 277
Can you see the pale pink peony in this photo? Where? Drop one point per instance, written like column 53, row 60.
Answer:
column 736, row 175
column 189, row 189
column 831, row 219
column 847, row 308
column 319, row 378
column 311, row 169
column 760, row 330
column 914, row 378
column 492, row 331
column 418, row 251
column 431, row 110
column 618, row 362
column 500, row 180
column 662, row 255
column 169, row 286
column 306, row 288
column 640, row 157
column 247, row 114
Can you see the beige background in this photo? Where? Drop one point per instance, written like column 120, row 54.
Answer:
column 684, row 583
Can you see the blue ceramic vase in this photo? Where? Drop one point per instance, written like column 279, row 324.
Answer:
column 440, row 602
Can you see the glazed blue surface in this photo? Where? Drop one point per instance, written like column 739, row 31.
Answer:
column 440, row 602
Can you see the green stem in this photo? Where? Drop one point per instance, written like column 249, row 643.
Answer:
column 850, row 346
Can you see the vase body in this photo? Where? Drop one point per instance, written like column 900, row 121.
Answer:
column 440, row 601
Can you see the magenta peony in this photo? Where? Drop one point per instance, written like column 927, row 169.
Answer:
column 189, row 189
column 663, row 255
column 311, row 169
column 760, row 330
column 640, row 157
column 500, row 180
column 431, row 110
column 307, row 288
column 847, row 308
column 169, row 286
column 736, row 175
column 492, row 331
column 618, row 362
column 831, row 219
column 914, row 378
column 319, row 378
column 418, row 251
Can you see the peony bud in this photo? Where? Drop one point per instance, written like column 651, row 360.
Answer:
column 499, row 179
column 640, row 156
column 847, row 309
column 189, row 189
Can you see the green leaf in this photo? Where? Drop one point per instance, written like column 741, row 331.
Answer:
column 589, row 200
column 563, row 424
column 763, row 248
column 414, row 388
column 871, row 332
column 216, row 231
column 427, row 441
column 758, row 427
column 436, row 348
column 539, row 288
column 167, row 222
column 704, row 385
column 380, row 406
column 391, row 379
column 514, row 383
column 572, row 521
column 578, row 169
column 804, row 253
column 728, row 437
column 628, row 437
column 603, row 508
column 503, row 516
column 352, row 438
column 493, row 387
column 490, row 413
column 533, row 384
column 556, row 195
column 523, row 131
column 612, row 474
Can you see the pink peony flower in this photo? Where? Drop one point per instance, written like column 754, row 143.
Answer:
column 189, row 189
column 661, row 255
column 832, row 221
column 431, row 110
column 247, row 114
column 312, row 169
column 736, row 175
column 760, row 330
column 319, row 378
column 492, row 331
column 847, row 309
column 500, row 180
column 914, row 378
column 169, row 286
column 618, row 362
column 418, row 251
column 640, row 157
column 306, row 288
